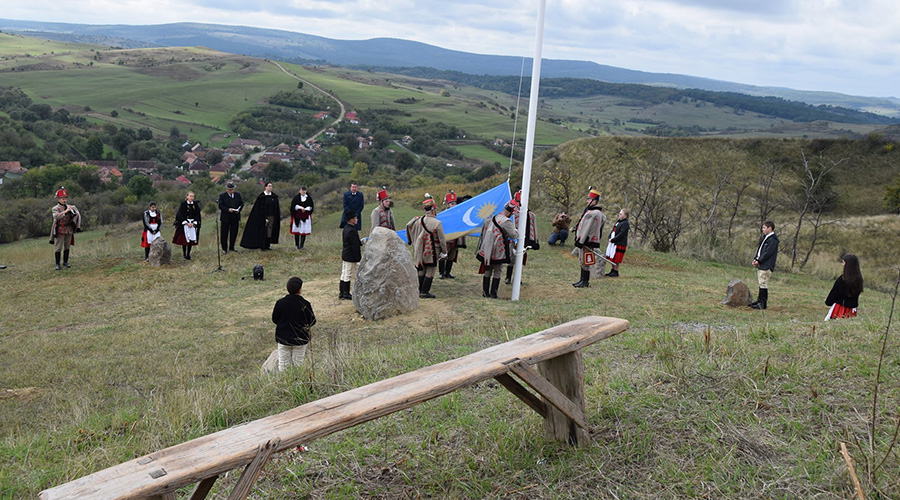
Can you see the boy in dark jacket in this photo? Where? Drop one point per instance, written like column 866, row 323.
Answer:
column 764, row 262
column 351, row 253
column 293, row 316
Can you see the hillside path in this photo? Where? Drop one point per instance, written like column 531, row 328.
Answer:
column 329, row 94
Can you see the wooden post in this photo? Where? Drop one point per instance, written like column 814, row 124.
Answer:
column 566, row 373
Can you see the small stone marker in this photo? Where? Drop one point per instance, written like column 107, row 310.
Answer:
column 737, row 294
column 160, row 252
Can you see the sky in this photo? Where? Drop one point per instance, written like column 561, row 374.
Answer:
column 846, row 46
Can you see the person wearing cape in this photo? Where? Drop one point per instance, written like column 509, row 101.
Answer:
column 588, row 233
column 494, row 248
column 262, row 230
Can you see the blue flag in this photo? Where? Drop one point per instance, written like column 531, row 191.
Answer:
column 469, row 216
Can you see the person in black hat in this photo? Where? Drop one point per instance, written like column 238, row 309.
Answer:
column 230, row 204
column 351, row 253
column 426, row 234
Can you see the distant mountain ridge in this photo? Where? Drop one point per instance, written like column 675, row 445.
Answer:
column 391, row 52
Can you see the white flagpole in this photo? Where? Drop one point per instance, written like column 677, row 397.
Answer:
column 529, row 150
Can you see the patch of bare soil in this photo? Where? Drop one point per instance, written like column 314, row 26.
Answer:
column 21, row 393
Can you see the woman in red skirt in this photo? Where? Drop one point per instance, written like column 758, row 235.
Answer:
column 844, row 295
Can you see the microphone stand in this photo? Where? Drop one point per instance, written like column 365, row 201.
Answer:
column 218, row 247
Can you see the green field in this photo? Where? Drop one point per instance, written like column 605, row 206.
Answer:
column 114, row 359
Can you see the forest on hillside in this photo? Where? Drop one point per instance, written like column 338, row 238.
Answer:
column 585, row 87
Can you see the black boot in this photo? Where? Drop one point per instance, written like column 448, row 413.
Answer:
column 509, row 271
column 442, row 264
column 447, row 269
column 421, row 281
column 495, row 284
column 486, row 287
column 56, row 255
column 425, row 292
column 302, row 241
column 762, row 300
column 585, row 280
column 188, row 252
column 66, row 258
column 347, row 294
column 580, row 282
column 147, row 254
column 297, row 241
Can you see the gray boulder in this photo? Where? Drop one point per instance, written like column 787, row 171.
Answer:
column 737, row 294
column 386, row 283
column 160, row 252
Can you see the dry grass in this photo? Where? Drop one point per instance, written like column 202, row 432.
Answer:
column 114, row 359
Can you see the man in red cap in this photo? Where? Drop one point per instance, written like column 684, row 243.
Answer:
column 588, row 234
column 66, row 222
column 426, row 234
column 382, row 215
column 453, row 246
column 495, row 248
column 531, row 239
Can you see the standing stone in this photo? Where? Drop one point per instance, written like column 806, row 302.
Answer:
column 737, row 294
column 386, row 282
column 160, row 252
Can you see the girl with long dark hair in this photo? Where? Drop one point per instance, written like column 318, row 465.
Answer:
column 844, row 295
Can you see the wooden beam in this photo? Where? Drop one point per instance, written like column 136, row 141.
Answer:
column 550, row 393
column 214, row 454
column 251, row 473
column 202, row 488
column 522, row 393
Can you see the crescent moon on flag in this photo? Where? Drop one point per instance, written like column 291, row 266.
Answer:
column 467, row 218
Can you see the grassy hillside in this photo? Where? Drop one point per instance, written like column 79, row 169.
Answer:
column 198, row 90
column 114, row 359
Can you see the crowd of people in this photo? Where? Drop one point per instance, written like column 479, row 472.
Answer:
column 432, row 251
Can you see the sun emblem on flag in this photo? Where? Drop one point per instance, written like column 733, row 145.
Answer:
column 487, row 210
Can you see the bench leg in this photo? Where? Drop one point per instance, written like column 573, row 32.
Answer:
column 566, row 373
column 254, row 469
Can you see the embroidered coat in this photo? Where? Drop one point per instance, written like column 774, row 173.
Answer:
column 426, row 234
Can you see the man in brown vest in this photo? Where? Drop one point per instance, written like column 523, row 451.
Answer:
column 66, row 222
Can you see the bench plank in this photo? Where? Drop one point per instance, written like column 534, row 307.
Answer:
column 214, row 454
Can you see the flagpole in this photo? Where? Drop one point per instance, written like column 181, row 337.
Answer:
column 529, row 150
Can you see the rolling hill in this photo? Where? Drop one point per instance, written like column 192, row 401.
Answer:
column 390, row 52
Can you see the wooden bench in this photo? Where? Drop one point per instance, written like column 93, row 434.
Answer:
column 559, row 381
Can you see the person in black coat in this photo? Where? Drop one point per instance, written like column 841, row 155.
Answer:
column 351, row 253
column 293, row 316
column 766, row 253
column 353, row 201
column 262, row 229
column 187, row 225
column 844, row 295
column 230, row 204
column 618, row 242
